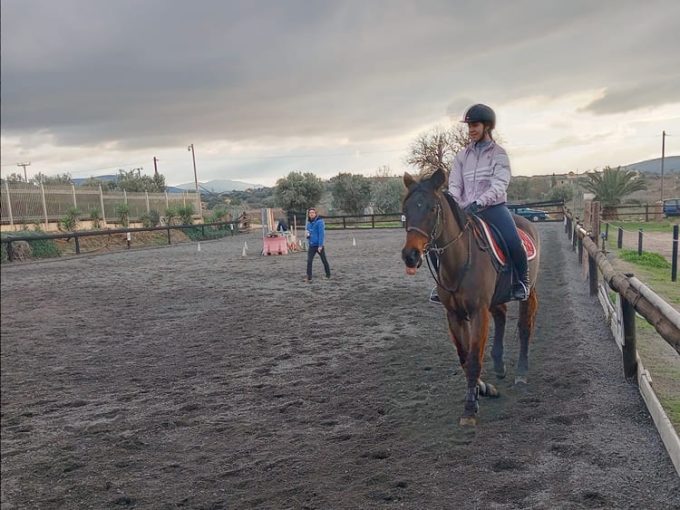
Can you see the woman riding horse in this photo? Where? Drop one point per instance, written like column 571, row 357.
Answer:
column 479, row 181
column 469, row 284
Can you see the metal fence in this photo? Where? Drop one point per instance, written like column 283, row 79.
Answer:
column 22, row 203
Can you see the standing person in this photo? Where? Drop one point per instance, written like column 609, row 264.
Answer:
column 316, row 234
column 479, row 182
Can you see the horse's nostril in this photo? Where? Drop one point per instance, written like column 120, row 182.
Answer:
column 411, row 257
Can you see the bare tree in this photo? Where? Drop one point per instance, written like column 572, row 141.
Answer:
column 436, row 148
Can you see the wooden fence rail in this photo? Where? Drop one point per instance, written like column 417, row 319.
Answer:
column 633, row 296
column 654, row 309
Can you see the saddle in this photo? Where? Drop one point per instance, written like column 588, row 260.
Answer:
column 494, row 240
column 490, row 239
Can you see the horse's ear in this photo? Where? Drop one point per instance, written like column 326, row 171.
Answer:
column 438, row 178
column 408, row 180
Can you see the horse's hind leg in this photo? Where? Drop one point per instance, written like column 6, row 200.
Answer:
column 499, row 314
column 526, row 323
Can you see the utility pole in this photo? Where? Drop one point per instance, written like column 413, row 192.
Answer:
column 25, row 165
column 155, row 166
column 663, row 155
column 198, row 193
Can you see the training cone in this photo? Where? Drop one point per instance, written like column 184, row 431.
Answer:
column 198, row 247
column 354, row 242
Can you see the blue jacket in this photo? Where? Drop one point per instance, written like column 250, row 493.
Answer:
column 317, row 232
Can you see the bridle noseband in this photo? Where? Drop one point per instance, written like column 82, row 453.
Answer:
column 431, row 247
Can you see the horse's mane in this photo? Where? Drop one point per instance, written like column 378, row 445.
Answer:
column 458, row 213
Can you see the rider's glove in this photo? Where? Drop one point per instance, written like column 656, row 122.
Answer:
column 472, row 208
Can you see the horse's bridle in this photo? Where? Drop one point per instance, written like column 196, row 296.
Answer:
column 431, row 247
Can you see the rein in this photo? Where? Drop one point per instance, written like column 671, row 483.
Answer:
column 431, row 247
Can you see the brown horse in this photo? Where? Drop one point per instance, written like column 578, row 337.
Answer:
column 466, row 283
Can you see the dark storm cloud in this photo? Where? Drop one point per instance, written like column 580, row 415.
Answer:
column 154, row 73
column 649, row 94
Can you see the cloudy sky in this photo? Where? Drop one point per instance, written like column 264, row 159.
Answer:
column 263, row 88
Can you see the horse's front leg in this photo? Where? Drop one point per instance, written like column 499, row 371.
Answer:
column 499, row 314
column 471, row 335
column 526, row 323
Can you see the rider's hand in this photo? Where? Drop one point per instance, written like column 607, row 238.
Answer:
column 319, row 249
column 472, row 208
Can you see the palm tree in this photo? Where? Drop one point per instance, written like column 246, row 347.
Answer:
column 610, row 186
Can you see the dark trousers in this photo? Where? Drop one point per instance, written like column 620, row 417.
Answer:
column 499, row 216
column 313, row 250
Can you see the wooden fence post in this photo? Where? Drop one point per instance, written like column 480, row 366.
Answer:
column 592, row 272
column 595, row 221
column 629, row 348
column 73, row 190
column 595, row 236
column 640, row 243
column 619, row 240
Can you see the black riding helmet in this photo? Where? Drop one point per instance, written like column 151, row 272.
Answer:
column 480, row 113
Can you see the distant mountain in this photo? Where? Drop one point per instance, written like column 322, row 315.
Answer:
column 653, row 166
column 219, row 186
column 78, row 181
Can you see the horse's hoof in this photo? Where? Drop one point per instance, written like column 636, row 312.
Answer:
column 487, row 390
column 521, row 379
column 491, row 391
column 468, row 421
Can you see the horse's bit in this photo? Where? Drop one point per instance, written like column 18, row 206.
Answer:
column 431, row 247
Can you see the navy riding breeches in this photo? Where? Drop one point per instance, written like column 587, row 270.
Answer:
column 499, row 216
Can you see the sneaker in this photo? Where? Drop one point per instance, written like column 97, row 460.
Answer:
column 308, row 280
column 520, row 292
column 328, row 277
column 434, row 297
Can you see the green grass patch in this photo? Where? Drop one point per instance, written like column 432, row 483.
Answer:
column 662, row 362
column 650, row 226
column 44, row 249
column 647, row 259
column 657, row 355
column 40, row 249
